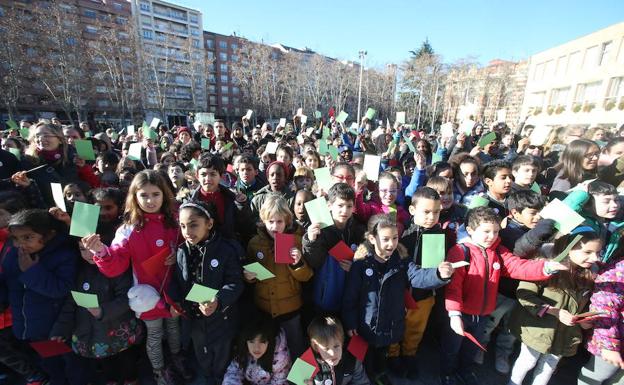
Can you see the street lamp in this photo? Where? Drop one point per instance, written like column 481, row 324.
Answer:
column 362, row 55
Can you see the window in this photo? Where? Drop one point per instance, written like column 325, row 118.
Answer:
column 225, row 89
column 587, row 92
column 223, row 44
column 145, row 6
column 194, row 31
column 574, row 63
column 562, row 63
column 235, row 90
column 122, row 35
column 117, row 6
column 146, row 20
column 212, row 67
column 559, row 96
column 36, row 69
column 71, row 41
column 1, row 11
column 31, row 52
column 212, row 89
column 537, row 99
column 616, row 88
column 212, row 78
column 101, row 89
column 102, row 103
column 121, row 20
column 213, row 99
column 539, row 72
column 147, row 34
column 196, row 43
column 209, row 43
column 237, row 111
column 591, row 57
column 224, row 67
column 225, row 100
column 211, row 55
column 235, row 101
column 605, row 53
column 224, row 79
column 223, row 56
column 90, row 29
column 549, row 69
column 233, row 46
column 90, row 13
column 235, row 58
column 194, row 18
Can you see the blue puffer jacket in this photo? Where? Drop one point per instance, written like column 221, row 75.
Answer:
column 37, row 295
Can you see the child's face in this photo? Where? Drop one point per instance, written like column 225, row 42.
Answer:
column 408, row 168
column 277, row 178
column 149, row 198
column 426, row 212
column 298, row 162
column 385, row 241
column 528, row 217
column 343, row 175
column 275, row 224
column 312, row 162
column 282, row 156
column 485, row 234
column 257, row 347
column 398, row 177
column 446, row 198
column 341, row 210
column 208, row 179
column 303, row 183
column 192, row 183
column 501, row 184
column 388, row 191
column 195, row 228
column 246, row 172
column 606, row 206
column 27, row 240
column 109, row 211
column 590, row 160
column 331, row 353
column 469, row 174
column 175, row 174
column 616, row 151
column 299, row 206
column 588, row 254
column 74, row 194
column 448, row 173
column 525, row 175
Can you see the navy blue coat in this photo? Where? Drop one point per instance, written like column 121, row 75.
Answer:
column 36, row 295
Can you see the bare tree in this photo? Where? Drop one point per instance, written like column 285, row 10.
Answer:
column 13, row 59
column 193, row 69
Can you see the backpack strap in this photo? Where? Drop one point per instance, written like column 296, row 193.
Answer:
column 466, row 253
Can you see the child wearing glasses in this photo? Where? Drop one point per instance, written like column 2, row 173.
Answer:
column 385, row 203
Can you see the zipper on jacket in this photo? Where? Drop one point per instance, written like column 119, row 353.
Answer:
column 485, row 281
column 24, row 313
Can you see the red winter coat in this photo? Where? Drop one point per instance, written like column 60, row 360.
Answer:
column 136, row 246
column 473, row 288
column 5, row 316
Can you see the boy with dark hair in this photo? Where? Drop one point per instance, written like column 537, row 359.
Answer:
column 497, row 179
column 330, row 273
column 232, row 210
column 525, row 169
column 425, row 210
column 248, row 181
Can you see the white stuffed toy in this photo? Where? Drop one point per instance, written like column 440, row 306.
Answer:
column 142, row 298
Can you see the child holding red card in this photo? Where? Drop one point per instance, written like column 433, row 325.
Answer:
column 210, row 259
column 279, row 296
column 333, row 362
column 345, row 233
column 546, row 321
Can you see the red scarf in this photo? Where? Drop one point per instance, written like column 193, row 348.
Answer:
column 50, row 156
column 218, row 200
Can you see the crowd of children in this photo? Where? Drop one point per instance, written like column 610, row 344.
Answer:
column 256, row 254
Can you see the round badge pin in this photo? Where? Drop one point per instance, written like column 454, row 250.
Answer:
column 160, row 242
column 214, row 263
column 496, row 265
column 260, row 255
column 369, row 272
column 328, row 382
column 353, row 246
column 86, row 286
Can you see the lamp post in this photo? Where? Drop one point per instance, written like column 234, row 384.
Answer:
column 362, row 55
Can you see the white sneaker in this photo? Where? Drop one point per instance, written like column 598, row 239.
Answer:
column 502, row 364
column 479, row 357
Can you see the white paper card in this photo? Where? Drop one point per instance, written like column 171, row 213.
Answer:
column 130, row 130
column 248, row 114
column 271, row 147
column 155, row 122
column 304, row 119
column 371, row 166
column 57, row 194
column 540, row 135
column 566, row 218
column 282, row 122
column 134, row 151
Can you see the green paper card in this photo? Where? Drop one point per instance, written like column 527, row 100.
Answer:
column 134, row 151
column 84, row 219
column 410, row 145
column 400, row 117
column 487, row 139
column 227, row 146
column 151, row 134
column 333, row 152
column 566, row 219
column 323, row 149
column 317, row 114
column 86, row 300
column 84, row 148
column 566, row 251
column 16, row 152
column 435, row 158
column 300, row 372
column 536, row 188
column 114, row 136
column 326, row 133
column 201, row 294
column 478, row 201
column 323, row 178
column 342, row 116
column 318, row 211
column 205, row 143
column 12, row 124
column 144, row 125
column 194, row 163
column 433, row 250
column 370, row 114
column 262, row 273
column 87, row 134
column 24, row 132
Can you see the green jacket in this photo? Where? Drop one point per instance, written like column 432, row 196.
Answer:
column 610, row 234
column 546, row 334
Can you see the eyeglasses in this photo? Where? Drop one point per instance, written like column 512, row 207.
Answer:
column 592, row 155
column 388, row 192
column 44, row 136
column 344, row 177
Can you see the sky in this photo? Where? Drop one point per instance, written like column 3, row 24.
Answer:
column 389, row 29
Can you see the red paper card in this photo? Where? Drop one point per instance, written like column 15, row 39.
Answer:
column 308, row 356
column 50, row 348
column 283, row 244
column 474, row 341
column 410, row 302
column 358, row 347
column 341, row 251
column 230, row 168
column 155, row 264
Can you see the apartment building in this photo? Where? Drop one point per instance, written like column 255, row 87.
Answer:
column 580, row 82
column 172, row 54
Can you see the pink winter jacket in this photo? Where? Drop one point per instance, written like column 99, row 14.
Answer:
column 136, row 246
column 365, row 210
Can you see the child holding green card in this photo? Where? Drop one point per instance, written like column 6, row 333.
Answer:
column 427, row 244
column 106, row 331
column 36, row 275
column 546, row 321
column 211, row 260
column 279, row 296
